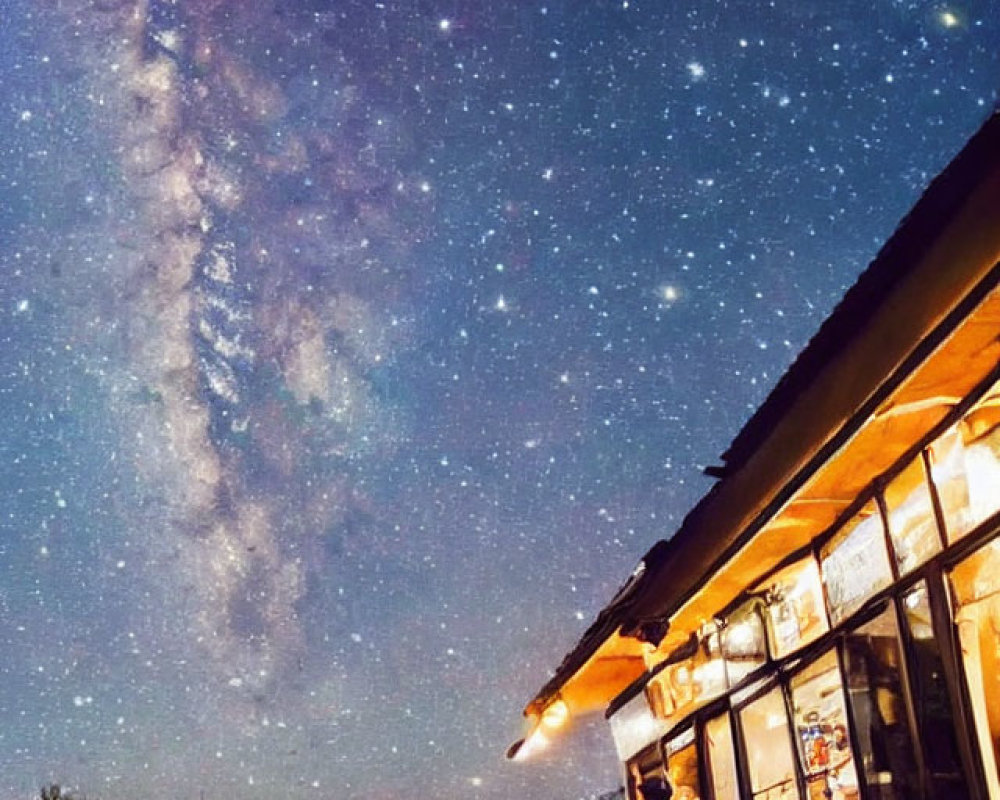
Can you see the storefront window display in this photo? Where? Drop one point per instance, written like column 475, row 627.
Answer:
column 912, row 523
column 770, row 759
column 795, row 611
column 682, row 767
column 930, row 698
column 975, row 584
column 744, row 642
column 873, row 659
column 721, row 758
column 855, row 563
column 821, row 731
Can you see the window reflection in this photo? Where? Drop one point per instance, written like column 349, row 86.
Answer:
column 912, row 524
column 976, row 591
column 721, row 757
column 744, row 643
column 770, row 760
column 966, row 472
column 872, row 658
column 795, row 609
column 821, row 727
column 931, row 700
column 855, row 563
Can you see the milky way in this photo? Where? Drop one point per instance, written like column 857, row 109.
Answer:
column 352, row 351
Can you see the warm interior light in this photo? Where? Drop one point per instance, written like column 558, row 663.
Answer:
column 983, row 475
column 741, row 637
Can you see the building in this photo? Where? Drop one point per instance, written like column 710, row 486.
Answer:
column 826, row 620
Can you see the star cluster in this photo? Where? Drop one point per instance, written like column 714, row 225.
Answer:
column 352, row 352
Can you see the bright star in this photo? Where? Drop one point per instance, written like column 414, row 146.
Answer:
column 948, row 18
column 668, row 293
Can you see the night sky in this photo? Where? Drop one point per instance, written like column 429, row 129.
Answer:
column 353, row 353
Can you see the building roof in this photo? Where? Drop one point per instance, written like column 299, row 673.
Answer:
column 859, row 366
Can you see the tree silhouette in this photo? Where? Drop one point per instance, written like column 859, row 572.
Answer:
column 54, row 792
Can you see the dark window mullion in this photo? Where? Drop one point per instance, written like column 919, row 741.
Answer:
column 954, row 678
column 856, row 752
column 786, row 694
column 905, row 670
column 742, row 763
column 890, row 547
column 925, row 457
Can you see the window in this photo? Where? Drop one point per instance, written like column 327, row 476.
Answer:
column 975, row 587
column 821, row 730
column 682, row 767
column 873, row 658
column 912, row 524
column 931, row 699
column 795, row 611
column 966, row 471
column 646, row 776
column 769, row 748
column 721, row 758
column 855, row 563
column 744, row 642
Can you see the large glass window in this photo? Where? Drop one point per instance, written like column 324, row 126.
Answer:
column 855, row 563
column 966, row 471
column 721, row 758
column 976, row 591
column 744, row 642
column 682, row 767
column 770, row 759
column 931, row 699
column 795, row 611
column 822, row 734
column 873, row 659
column 912, row 523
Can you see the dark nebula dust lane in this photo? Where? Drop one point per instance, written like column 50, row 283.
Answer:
column 349, row 351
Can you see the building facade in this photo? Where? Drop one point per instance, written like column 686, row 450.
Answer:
column 826, row 621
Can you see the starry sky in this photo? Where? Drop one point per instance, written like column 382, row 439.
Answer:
column 352, row 353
